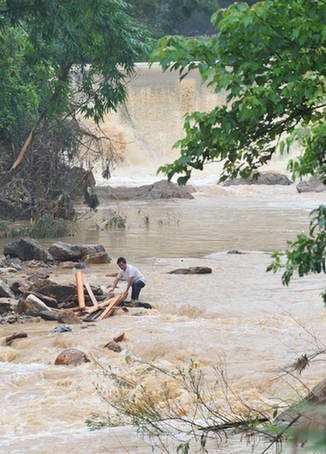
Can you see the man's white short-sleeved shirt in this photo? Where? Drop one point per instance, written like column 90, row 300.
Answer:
column 131, row 271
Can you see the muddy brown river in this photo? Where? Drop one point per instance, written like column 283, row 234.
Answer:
column 238, row 318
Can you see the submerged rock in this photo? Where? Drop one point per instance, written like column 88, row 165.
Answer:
column 80, row 266
column 71, row 357
column 114, row 346
column 192, row 270
column 131, row 303
column 62, row 329
column 68, row 317
column 10, row 339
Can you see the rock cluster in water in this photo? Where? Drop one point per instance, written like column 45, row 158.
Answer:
column 268, row 178
column 30, row 249
column 35, row 296
column 159, row 190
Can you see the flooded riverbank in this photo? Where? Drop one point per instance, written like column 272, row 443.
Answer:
column 239, row 316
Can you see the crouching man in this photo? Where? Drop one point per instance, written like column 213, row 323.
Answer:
column 134, row 279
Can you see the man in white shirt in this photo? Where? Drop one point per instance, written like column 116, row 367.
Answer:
column 134, row 279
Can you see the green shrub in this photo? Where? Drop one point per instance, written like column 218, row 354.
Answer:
column 44, row 227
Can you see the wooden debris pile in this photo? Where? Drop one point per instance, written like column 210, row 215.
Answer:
column 35, row 297
column 98, row 311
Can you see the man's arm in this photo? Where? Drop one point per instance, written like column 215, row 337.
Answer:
column 114, row 284
column 125, row 293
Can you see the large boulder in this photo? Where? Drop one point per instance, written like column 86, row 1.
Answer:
column 27, row 249
column 269, row 178
column 312, row 185
column 73, row 252
column 60, row 292
column 159, row 190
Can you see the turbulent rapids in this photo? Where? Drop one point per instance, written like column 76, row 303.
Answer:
column 238, row 318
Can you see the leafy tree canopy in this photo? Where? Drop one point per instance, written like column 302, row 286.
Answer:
column 163, row 17
column 60, row 59
column 96, row 37
column 270, row 60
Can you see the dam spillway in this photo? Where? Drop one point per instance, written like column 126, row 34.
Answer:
column 145, row 128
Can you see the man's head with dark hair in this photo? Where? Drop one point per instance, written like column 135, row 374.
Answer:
column 121, row 260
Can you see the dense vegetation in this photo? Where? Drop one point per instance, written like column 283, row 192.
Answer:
column 59, row 60
column 51, row 53
column 185, row 17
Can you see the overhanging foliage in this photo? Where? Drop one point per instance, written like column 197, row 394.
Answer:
column 270, row 58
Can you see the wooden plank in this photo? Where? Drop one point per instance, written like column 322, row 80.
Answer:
column 108, row 310
column 92, row 317
column 80, row 289
column 89, row 290
column 72, row 309
column 103, row 304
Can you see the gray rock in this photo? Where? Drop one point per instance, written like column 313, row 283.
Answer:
column 268, row 178
column 27, row 249
column 159, row 190
column 35, row 305
column 81, row 266
column 312, row 185
column 192, row 270
column 62, row 329
column 73, row 252
column 9, row 319
column 50, row 302
column 48, row 315
column 60, row 292
column 5, row 290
